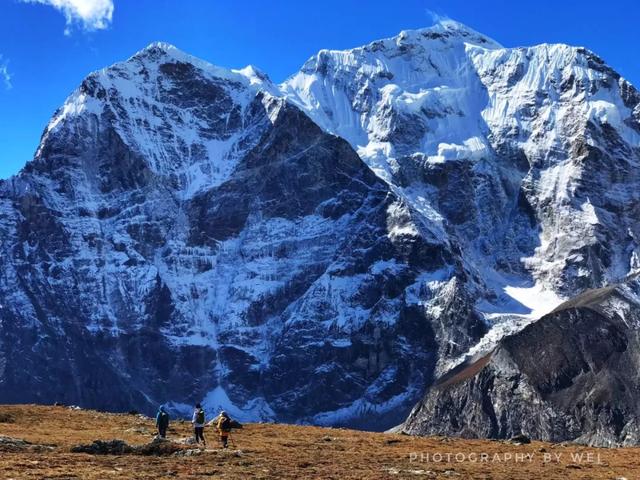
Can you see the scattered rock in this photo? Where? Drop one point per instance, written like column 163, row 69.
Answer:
column 451, row 473
column 426, row 473
column 191, row 452
column 391, row 441
column 542, row 449
column 140, row 430
column 327, row 438
column 186, row 441
column 100, row 447
column 520, row 439
column 157, row 447
column 574, row 466
column 8, row 444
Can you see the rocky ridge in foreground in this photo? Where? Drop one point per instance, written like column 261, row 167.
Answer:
column 572, row 375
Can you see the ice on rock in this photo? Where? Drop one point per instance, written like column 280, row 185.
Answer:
column 488, row 144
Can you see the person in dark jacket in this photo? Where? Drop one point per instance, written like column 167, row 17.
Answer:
column 162, row 422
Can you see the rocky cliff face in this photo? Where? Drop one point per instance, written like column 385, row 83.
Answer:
column 526, row 159
column 570, row 376
column 317, row 251
column 183, row 233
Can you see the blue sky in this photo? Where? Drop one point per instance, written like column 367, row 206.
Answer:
column 45, row 52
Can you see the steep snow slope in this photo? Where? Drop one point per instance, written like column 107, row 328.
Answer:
column 526, row 159
column 183, row 115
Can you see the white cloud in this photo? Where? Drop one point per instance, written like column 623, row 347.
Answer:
column 438, row 17
column 90, row 14
column 5, row 75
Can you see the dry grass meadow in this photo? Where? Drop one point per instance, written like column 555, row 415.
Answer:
column 272, row 451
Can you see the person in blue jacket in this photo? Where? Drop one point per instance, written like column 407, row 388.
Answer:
column 162, row 422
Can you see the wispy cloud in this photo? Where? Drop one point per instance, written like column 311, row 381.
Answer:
column 5, row 75
column 437, row 17
column 88, row 14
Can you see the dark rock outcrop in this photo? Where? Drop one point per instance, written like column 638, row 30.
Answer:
column 571, row 376
column 157, row 447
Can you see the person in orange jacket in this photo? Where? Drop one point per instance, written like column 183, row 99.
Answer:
column 223, row 425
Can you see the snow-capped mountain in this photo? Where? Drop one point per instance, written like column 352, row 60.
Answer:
column 525, row 159
column 185, row 233
column 317, row 251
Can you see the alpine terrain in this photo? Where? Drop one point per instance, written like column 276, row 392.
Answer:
column 430, row 212
column 38, row 442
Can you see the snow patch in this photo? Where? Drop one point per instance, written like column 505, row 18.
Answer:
column 255, row 410
column 538, row 300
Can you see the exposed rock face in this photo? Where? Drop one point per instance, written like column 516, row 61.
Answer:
column 525, row 158
column 185, row 234
column 570, row 376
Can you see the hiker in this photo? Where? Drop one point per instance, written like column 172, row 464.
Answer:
column 223, row 425
column 162, row 422
column 198, row 424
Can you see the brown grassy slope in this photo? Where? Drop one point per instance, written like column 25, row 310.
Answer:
column 282, row 451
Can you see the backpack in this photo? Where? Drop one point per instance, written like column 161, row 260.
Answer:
column 225, row 426
column 200, row 416
column 164, row 419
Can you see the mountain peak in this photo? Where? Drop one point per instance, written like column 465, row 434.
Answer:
column 447, row 30
column 416, row 46
column 158, row 46
column 163, row 52
column 253, row 74
column 160, row 50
